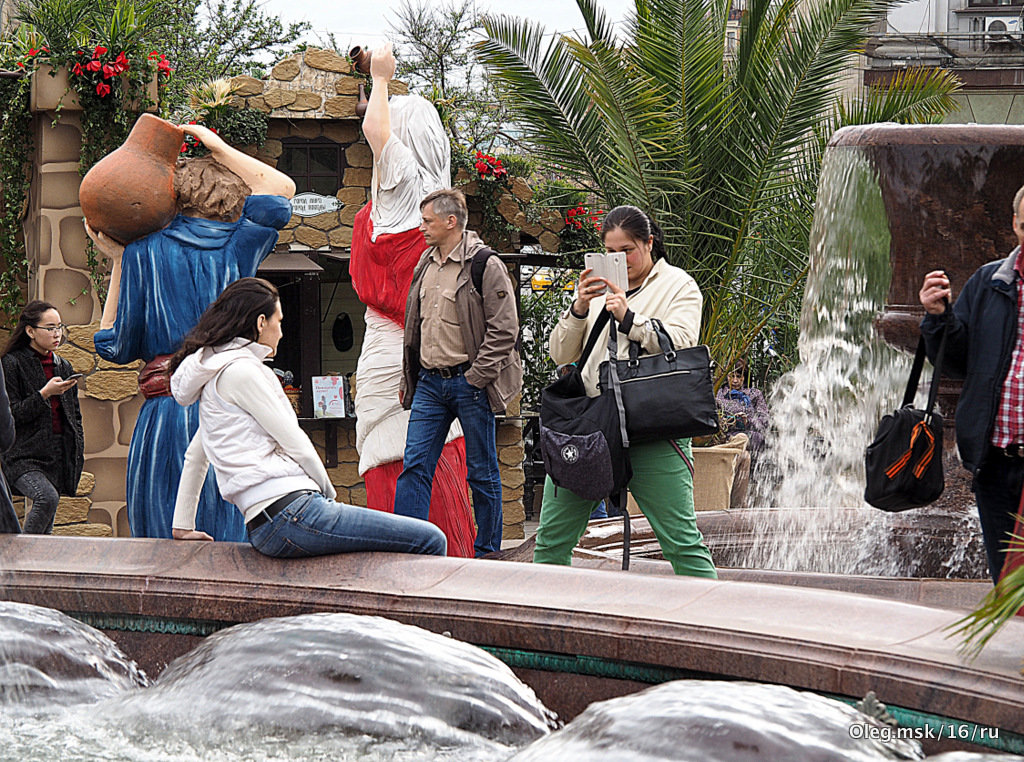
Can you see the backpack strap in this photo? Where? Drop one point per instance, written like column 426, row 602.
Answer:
column 476, row 269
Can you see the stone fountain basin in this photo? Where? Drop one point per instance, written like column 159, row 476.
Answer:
column 157, row 598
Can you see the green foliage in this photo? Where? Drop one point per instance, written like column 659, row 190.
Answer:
column 558, row 193
column 538, row 313
column 15, row 148
column 218, row 38
column 724, row 152
column 242, row 127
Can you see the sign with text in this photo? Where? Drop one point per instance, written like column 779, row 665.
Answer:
column 312, row 204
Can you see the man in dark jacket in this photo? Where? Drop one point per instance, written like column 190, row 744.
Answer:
column 984, row 347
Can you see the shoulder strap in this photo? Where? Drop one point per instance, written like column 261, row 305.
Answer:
column 599, row 324
column 915, row 373
column 476, row 269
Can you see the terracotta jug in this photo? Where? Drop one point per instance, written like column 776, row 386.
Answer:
column 363, row 101
column 129, row 193
column 361, row 58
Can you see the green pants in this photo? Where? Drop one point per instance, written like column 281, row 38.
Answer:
column 662, row 486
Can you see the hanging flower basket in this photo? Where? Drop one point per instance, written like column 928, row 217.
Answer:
column 53, row 92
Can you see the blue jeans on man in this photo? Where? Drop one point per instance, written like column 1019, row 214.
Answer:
column 313, row 525
column 437, row 402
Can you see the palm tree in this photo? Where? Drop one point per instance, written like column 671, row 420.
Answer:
column 724, row 151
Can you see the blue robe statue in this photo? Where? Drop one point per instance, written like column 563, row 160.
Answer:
column 168, row 279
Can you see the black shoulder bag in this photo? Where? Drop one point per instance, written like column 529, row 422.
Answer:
column 583, row 439
column 903, row 464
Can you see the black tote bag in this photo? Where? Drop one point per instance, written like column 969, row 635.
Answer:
column 669, row 395
column 903, row 465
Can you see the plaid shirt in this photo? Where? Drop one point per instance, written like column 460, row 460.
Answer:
column 1009, row 424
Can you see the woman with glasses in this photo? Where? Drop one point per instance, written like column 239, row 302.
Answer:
column 47, row 457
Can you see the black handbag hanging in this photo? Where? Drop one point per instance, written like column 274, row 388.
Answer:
column 580, row 437
column 669, row 395
column 903, row 465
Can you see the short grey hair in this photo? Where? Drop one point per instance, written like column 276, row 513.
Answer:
column 1016, row 201
column 448, row 201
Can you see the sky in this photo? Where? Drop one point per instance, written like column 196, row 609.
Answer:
column 367, row 23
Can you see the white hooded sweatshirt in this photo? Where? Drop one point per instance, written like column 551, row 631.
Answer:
column 248, row 431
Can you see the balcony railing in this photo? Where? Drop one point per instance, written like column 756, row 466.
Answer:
column 995, row 48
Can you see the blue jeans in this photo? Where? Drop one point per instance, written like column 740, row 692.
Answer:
column 312, row 525
column 439, row 401
column 36, row 487
column 997, row 487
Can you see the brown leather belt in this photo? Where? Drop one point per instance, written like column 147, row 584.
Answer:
column 455, row 370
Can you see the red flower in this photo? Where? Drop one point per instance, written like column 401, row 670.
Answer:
column 153, row 54
column 94, row 65
column 121, row 62
column 44, row 48
column 184, row 147
column 98, row 51
column 78, row 70
column 103, row 90
column 20, row 65
column 164, row 66
column 109, row 71
column 32, row 51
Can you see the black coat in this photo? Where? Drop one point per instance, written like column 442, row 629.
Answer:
column 982, row 327
column 36, row 446
column 8, row 518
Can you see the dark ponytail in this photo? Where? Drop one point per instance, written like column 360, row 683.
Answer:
column 29, row 317
column 637, row 226
column 232, row 316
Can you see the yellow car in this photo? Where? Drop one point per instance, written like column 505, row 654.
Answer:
column 543, row 277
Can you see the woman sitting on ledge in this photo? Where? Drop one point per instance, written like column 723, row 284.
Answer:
column 265, row 464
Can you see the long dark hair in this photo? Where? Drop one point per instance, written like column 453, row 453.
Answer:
column 29, row 318
column 232, row 316
column 637, row 226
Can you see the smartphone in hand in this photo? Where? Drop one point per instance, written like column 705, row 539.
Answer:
column 610, row 266
column 74, row 376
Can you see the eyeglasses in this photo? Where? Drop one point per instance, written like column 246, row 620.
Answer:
column 54, row 329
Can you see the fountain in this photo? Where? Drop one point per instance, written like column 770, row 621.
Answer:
column 580, row 636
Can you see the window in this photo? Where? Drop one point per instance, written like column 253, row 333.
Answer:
column 315, row 165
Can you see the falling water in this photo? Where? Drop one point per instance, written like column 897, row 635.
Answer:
column 826, row 410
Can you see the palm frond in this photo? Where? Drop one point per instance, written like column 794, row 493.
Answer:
column 997, row 608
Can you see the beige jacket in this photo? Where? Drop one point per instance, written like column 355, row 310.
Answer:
column 668, row 293
column 490, row 328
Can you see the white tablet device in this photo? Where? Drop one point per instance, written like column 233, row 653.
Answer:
column 611, row 266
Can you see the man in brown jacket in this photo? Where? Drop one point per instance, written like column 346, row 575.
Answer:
column 460, row 361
